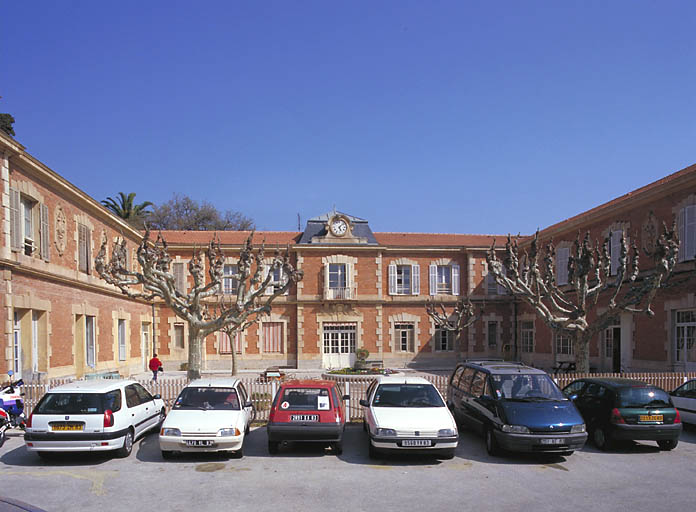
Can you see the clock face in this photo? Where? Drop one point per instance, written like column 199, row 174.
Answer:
column 339, row 227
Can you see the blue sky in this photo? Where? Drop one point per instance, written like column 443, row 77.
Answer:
column 462, row 117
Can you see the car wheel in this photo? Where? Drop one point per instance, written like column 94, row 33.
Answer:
column 127, row 447
column 492, row 446
column 273, row 447
column 446, row 454
column 668, row 444
column 338, row 447
column 167, row 454
column 371, row 450
column 600, row 438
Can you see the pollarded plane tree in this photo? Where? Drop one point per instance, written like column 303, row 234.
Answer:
column 155, row 280
column 591, row 277
column 463, row 315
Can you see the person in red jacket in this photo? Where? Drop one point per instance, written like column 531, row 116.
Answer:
column 156, row 366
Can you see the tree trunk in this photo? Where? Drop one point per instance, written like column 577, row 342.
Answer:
column 581, row 344
column 195, row 358
column 234, row 359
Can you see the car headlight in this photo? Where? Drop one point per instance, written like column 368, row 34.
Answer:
column 515, row 429
column 386, row 432
column 578, row 429
column 446, row 432
column 170, row 432
column 228, row 432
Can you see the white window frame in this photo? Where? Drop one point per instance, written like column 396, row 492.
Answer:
column 527, row 335
column 405, row 334
column 438, row 279
column 562, row 343
column 90, row 341
column 608, row 338
column 121, row 329
column 339, row 273
column 230, row 282
column 684, row 335
column 443, row 336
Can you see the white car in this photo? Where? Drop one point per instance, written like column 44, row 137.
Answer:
column 408, row 414
column 209, row 415
column 684, row 399
column 93, row 415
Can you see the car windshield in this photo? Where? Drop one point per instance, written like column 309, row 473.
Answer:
column 407, row 395
column 643, row 397
column 208, row 398
column 79, row 403
column 305, row 399
column 526, row 387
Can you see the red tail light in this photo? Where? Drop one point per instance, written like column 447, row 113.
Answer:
column 616, row 416
column 28, row 423
column 677, row 418
column 108, row 418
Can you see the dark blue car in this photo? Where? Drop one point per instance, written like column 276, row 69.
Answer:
column 515, row 407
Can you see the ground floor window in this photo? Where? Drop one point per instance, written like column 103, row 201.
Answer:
column 226, row 346
column 685, row 334
column 563, row 343
column 121, row 340
column 492, row 334
column 17, row 347
column 90, row 349
column 610, row 335
column 179, row 335
column 527, row 336
column 339, row 338
column 443, row 340
column 404, row 334
column 273, row 337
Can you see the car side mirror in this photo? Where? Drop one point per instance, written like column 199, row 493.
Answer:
column 364, row 403
column 157, row 396
column 346, row 397
column 248, row 404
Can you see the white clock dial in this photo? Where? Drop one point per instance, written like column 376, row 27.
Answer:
column 339, row 227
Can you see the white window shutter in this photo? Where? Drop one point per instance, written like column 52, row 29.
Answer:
column 326, row 281
column 392, row 279
column 269, row 288
column 455, row 279
column 415, row 279
column 433, row 279
column 682, row 232
column 615, row 243
column 15, row 220
column 562, row 265
column 690, row 232
column 283, row 280
column 45, row 237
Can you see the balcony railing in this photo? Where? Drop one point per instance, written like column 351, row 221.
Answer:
column 345, row 293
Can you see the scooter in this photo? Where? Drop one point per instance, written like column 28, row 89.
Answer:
column 4, row 425
column 11, row 403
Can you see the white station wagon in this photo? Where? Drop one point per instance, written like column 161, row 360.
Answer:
column 93, row 415
column 209, row 415
column 408, row 414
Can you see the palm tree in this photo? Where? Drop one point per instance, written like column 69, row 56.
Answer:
column 125, row 208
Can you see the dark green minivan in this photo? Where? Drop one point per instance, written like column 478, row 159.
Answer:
column 625, row 409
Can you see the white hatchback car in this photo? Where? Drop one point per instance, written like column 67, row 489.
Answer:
column 209, row 415
column 408, row 414
column 93, row 415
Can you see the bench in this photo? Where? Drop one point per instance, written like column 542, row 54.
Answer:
column 564, row 367
column 374, row 363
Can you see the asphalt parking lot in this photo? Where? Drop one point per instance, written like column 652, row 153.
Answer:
column 635, row 477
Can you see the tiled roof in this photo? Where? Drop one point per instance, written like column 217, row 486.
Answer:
column 202, row 238
column 438, row 240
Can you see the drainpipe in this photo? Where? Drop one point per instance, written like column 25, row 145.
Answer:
column 514, row 330
column 154, row 342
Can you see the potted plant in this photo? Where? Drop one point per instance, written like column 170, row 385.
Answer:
column 361, row 355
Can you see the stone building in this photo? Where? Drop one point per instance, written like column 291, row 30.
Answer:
column 360, row 289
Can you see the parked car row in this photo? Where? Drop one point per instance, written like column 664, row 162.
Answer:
column 513, row 406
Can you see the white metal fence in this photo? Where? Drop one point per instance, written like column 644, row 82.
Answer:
column 262, row 393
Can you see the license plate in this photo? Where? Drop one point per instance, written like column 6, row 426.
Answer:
column 304, row 417
column 68, row 427
column 553, row 441
column 416, row 442
column 654, row 417
column 199, row 443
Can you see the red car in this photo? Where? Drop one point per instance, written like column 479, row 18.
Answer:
column 308, row 411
